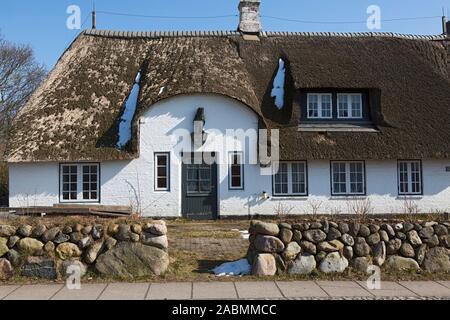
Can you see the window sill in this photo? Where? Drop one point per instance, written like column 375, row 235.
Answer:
column 409, row 197
column 349, row 197
column 78, row 201
column 290, row 197
column 337, row 127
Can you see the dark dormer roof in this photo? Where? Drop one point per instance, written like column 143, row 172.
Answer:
column 75, row 114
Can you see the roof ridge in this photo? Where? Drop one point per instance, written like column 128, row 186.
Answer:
column 224, row 33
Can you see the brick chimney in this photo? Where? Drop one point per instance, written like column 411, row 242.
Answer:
column 249, row 21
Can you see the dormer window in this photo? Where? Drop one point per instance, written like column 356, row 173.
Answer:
column 319, row 106
column 331, row 109
column 349, row 106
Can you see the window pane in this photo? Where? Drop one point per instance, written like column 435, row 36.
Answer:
column 342, row 106
column 281, row 179
column 313, row 106
column 356, row 106
column 326, row 106
column 236, row 182
column 162, row 160
column 298, row 178
column 205, row 186
column 236, row 170
column 162, row 183
column 192, row 186
column 161, row 171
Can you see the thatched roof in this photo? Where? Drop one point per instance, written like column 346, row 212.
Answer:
column 75, row 114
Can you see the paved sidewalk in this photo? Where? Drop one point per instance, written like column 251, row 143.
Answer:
column 231, row 290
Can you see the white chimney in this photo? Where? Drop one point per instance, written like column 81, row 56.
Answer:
column 249, row 16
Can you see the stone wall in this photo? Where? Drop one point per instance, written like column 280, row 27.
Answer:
column 327, row 246
column 123, row 250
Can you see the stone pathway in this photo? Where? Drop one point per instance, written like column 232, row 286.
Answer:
column 231, row 290
column 210, row 246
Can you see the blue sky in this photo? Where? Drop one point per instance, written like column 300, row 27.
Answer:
column 42, row 24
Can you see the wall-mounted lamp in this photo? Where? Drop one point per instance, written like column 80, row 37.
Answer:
column 264, row 195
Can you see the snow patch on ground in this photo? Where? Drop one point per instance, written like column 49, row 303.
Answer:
column 244, row 233
column 128, row 114
column 278, row 85
column 235, row 268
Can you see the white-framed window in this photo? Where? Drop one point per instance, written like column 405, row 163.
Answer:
column 162, row 171
column 348, row 178
column 236, row 171
column 79, row 182
column 349, row 106
column 291, row 179
column 319, row 106
column 409, row 177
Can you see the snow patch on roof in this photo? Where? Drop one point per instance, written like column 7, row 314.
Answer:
column 128, row 113
column 278, row 85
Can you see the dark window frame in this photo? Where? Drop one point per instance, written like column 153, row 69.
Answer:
column 155, row 170
column 284, row 195
column 366, row 116
column 348, row 194
column 398, row 177
column 231, row 154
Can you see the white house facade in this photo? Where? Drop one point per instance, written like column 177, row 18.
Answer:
column 182, row 124
column 135, row 182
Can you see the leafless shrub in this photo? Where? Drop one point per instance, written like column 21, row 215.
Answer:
column 282, row 210
column 334, row 213
column 435, row 215
column 410, row 209
column 135, row 195
column 313, row 208
column 361, row 207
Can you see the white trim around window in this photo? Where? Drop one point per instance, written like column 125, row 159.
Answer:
column 409, row 173
column 79, row 182
column 291, row 179
column 162, row 171
column 348, row 178
column 235, row 171
column 319, row 106
column 349, row 106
